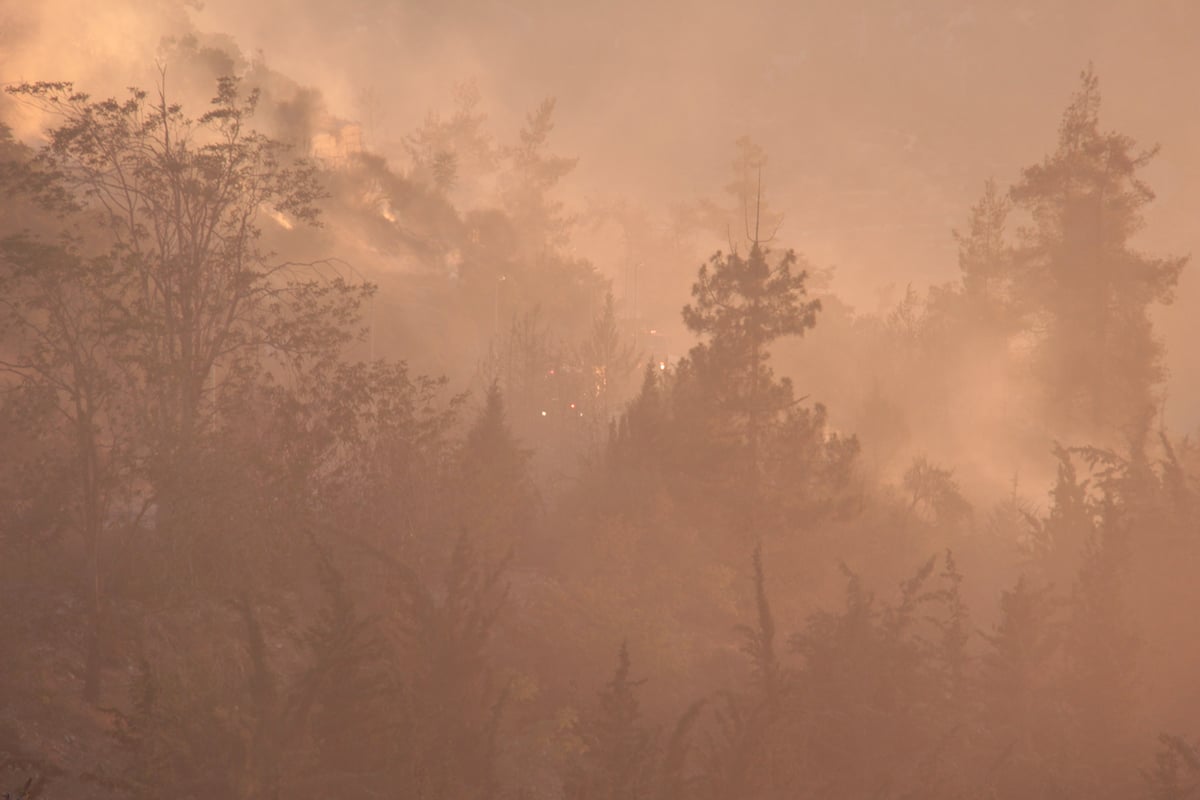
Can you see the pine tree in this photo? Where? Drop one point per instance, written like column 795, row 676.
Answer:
column 450, row 152
column 985, row 259
column 1079, row 274
column 748, row 213
column 447, row 733
column 619, row 761
column 742, row 305
column 1056, row 543
column 531, row 176
column 1101, row 649
column 759, row 641
column 497, row 500
column 746, row 750
column 1020, row 690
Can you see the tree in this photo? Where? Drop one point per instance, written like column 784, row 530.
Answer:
column 158, row 286
column 546, row 277
column 759, row 641
column 1057, row 542
column 452, row 708
column 531, row 175
column 58, row 314
column 743, row 746
column 609, row 359
column 447, row 152
column 497, row 498
column 867, row 726
column 741, row 222
column 1078, row 273
column 176, row 206
column 935, row 494
column 619, row 759
column 1020, row 694
column 985, row 258
column 1100, row 652
column 743, row 304
column 252, row 726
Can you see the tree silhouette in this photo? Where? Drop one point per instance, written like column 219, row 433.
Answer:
column 1080, row 275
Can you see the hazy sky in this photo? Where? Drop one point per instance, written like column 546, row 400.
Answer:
column 882, row 119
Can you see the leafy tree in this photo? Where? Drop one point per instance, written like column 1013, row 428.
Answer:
column 178, row 203
column 156, row 287
column 934, row 493
column 59, row 316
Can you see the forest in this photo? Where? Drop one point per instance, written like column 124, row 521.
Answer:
column 339, row 466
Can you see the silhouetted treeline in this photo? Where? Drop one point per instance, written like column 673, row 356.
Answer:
column 244, row 556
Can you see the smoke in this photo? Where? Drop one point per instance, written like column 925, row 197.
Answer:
column 881, row 120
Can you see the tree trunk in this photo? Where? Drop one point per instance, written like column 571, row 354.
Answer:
column 92, row 526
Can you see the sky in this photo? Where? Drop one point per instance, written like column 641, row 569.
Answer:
column 881, row 119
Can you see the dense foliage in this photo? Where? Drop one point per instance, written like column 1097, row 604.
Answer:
column 242, row 555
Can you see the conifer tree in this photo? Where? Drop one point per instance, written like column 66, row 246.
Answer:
column 532, row 174
column 1100, row 651
column 497, row 499
column 741, row 305
column 1020, row 691
column 1082, row 278
column 451, row 706
column 619, row 760
column 985, row 259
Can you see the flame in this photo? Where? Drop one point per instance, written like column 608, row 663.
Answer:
column 283, row 221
